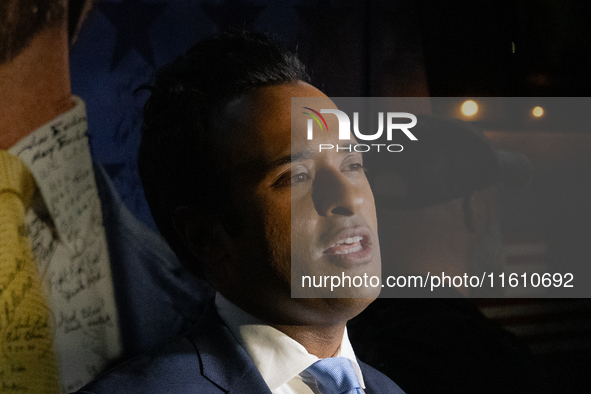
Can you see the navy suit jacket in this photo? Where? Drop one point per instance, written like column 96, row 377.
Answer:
column 157, row 299
column 209, row 360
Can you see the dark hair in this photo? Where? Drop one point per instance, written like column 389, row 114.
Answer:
column 177, row 156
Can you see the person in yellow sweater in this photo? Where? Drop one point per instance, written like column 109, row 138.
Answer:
column 82, row 282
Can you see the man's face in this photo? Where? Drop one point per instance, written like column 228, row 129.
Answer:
column 333, row 228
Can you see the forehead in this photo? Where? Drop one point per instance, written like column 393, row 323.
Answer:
column 259, row 123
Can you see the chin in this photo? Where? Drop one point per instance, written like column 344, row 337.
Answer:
column 351, row 307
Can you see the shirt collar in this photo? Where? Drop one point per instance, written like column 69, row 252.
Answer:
column 278, row 357
column 59, row 158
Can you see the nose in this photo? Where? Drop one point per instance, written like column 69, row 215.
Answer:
column 336, row 194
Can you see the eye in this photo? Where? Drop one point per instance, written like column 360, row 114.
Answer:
column 352, row 163
column 299, row 178
column 356, row 167
column 352, row 166
column 291, row 178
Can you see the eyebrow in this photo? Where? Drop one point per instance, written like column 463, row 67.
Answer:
column 347, row 145
column 301, row 156
column 305, row 155
column 294, row 157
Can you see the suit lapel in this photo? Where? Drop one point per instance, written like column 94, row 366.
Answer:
column 376, row 382
column 223, row 360
column 225, row 363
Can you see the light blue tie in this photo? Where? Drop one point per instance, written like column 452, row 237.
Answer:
column 336, row 376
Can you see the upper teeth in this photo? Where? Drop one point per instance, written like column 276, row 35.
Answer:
column 354, row 249
column 349, row 241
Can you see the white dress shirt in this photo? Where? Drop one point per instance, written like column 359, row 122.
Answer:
column 280, row 360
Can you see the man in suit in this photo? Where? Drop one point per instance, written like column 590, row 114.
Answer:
column 113, row 287
column 233, row 181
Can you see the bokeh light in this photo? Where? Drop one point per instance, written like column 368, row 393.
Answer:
column 469, row 107
column 538, row 111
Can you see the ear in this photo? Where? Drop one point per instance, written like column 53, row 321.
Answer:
column 198, row 230
column 476, row 211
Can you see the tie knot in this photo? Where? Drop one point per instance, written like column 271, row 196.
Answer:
column 335, row 375
column 15, row 177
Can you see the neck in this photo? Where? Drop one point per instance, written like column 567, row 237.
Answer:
column 322, row 342
column 35, row 86
column 318, row 324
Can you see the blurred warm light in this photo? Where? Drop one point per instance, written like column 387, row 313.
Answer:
column 538, row 111
column 469, row 107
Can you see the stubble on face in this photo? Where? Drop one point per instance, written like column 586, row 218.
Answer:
column 259, row 276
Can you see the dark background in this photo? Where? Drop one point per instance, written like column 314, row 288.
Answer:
column 392, row 48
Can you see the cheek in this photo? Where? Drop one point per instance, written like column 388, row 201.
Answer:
column 369, row 208
column 279, row 246
column 303, row 220
column 276, row 215
column 290, row 237
column 276, row 236
column 278, row 227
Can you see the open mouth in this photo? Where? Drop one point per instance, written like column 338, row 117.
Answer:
column 347, row 245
